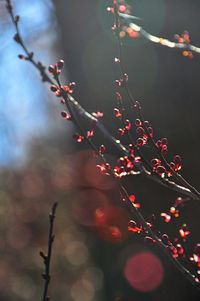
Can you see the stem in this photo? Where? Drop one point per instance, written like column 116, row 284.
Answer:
column 47, row 258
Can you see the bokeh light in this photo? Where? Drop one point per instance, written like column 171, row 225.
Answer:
column 112, row 224
column 144, row 271
column 85, row 205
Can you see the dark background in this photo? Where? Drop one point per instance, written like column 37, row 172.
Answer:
column 166, row 83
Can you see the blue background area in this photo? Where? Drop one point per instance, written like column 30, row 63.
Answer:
column 23, row 106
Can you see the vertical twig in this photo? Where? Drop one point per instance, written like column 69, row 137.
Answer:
column 47, row 258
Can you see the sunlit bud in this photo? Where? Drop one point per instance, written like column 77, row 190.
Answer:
column 149, row 239
column 90, row 134
column 172, row 165
column 51, row 69
column 101, row 168
column 165, row 239
column 127, row 124
column 164, row 141
column 158, row 143
column 117, row 60
column 58, row 93
column 183, row 231
column 118, row 83
column 66, row 115
column 177, row 159
column 98, row 114
column 155, row 162
column 172, row 210
column 78, row 138
column 121, row 131
column 179, row 202
column 132, row 198
column 150, row 130
column 117, row 113
column 125, row 77
column 180, row 249
column 102, row 149
column 190, row 55
column 66, row 88
column 60, row 64
column 167, row 217
column 72, row 85
column 138, row 122
column 146, row 123
column 140, row 131
column 108, row 167
column 140, row 142
column 173, row 251
column 132, row 226
column 160, row 169
column 137, row 105
column 131, row 149
column 118, row 96
column 62, row 101
column 110, row 9
column 54, row 88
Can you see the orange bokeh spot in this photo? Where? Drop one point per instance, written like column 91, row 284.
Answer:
column 111, row 223
column 85, row 205
column 86, row 173
column 144, row 271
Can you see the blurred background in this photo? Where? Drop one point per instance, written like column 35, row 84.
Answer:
column 40, row 163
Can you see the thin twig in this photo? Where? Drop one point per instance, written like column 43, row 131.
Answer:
column 136, row 105
column 131, row 207
column 47, row 258
column 159, row 40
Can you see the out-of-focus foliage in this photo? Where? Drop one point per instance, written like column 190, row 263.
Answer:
column 25, row 200
column 35, row 170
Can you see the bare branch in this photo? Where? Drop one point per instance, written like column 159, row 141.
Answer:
column 47, row 258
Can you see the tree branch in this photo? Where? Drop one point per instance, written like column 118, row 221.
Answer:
column 80, row 111
column 158, row 40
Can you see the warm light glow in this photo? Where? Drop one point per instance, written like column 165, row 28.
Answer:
column 144, row 271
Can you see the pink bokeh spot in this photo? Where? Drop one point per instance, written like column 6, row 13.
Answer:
column 144, row 271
